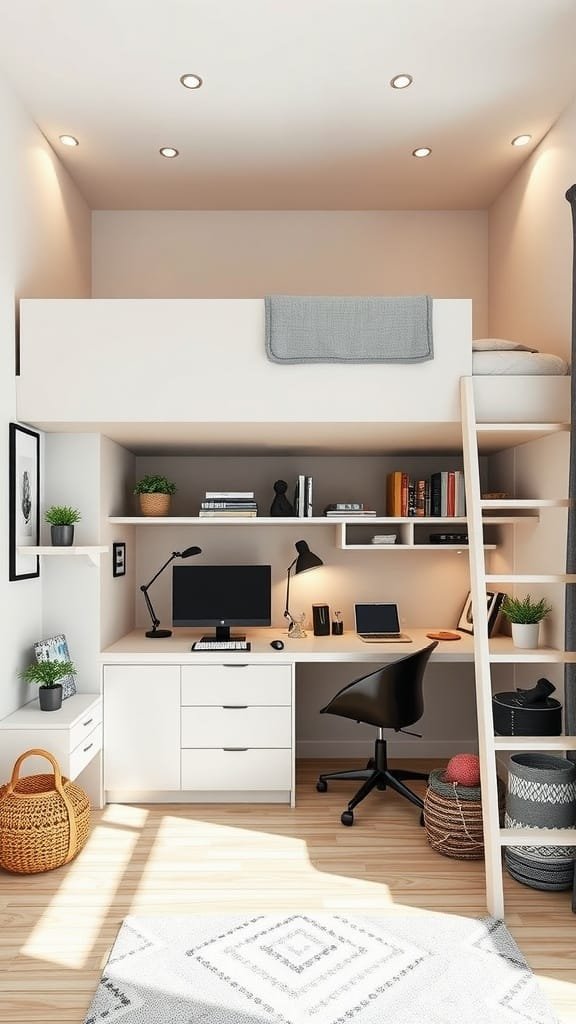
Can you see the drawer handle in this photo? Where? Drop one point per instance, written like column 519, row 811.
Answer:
column 227, row 665
column 88, row 722
column 235, row 707
column 236, row 750
column 86, row 749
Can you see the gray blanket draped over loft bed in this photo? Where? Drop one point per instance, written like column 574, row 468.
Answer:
column 570, row 605
column 348, row 329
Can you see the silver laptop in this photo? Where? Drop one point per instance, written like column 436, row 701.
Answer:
column 379, row 624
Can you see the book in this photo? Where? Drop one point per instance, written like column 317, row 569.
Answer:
column 404, row 495
column 394, row 493
column 230, row 494
column 351, row 514
column 228, row 504
column 451, row 495
column 345, row 506
column 420, row 497
column 308, row 510
column 299, row 496
column 206, row 513
column 435, row 494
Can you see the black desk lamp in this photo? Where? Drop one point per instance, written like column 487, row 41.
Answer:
column 156, row 633
column 305, row 559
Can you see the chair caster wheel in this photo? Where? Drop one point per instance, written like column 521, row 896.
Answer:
column 321, row 786
column 381, row 786
column 371, row 764
column 347, row 818
column 422, row 819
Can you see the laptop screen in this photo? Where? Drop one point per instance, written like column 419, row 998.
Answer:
column 377, row 618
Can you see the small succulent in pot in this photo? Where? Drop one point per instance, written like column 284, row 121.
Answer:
column 155, row 493
column 62, row 519
column 47, row 674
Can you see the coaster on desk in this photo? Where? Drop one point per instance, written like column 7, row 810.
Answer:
column 443, row 634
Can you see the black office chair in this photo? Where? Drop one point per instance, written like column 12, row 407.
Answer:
column 390, row 698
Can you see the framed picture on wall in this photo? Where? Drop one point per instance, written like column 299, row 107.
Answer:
column 24, row 498
column 493, row 601
column 118, row 558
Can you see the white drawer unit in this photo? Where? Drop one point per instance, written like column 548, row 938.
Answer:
column 73, row 734
column 237, row 769
column 215, row 685
column 237, row 726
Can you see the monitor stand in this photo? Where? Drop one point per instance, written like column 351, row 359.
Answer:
column 222, row 633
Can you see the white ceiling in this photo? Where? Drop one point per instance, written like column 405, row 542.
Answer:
column 296, row 111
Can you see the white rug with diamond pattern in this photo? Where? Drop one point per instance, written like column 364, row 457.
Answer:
column 329, row 969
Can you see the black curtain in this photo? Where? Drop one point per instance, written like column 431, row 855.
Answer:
column 570, row 623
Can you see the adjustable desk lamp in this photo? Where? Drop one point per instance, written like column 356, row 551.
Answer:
column 156, row 633
column 305, row 560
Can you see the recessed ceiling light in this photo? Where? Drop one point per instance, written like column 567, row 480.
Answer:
column 401, row 81
column 169, row 152
column 421, row 151
column 191, row 81
column 68, row 140
column 521, row 140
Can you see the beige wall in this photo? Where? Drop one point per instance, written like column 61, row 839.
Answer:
column 530, row 246
column 247, row 254
column 44, row 251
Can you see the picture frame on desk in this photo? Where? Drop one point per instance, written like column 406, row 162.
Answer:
column 493, row 602
column 24, row 501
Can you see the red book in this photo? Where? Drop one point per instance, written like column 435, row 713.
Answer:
column 420, row 497
column 451, row 511
column 404, row 502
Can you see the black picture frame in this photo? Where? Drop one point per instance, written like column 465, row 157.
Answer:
column 466, row 622
column 118, row 558
column 24, row 499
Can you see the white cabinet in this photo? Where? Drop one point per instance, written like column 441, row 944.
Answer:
column 73, row 734
column 141, row 727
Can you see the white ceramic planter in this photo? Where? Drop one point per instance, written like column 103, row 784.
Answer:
column 525, row 634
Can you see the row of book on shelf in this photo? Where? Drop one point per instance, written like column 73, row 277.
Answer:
column 441, row 494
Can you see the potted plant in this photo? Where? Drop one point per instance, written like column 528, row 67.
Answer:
column 62, row 519
column 155, row 493
column 525, row 616
column 47, row 674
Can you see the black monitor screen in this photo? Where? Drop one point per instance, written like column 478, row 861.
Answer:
column 221, row 595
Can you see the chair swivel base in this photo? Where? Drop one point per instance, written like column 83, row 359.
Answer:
column 376, row 775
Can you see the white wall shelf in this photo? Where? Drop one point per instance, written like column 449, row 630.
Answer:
column 91, row 551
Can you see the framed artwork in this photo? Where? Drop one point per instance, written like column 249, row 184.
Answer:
column 24, row 497
column 493, row 601
column 118, row 558
column 55, row 648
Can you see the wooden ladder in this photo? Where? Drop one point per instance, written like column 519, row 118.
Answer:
column 494, row 836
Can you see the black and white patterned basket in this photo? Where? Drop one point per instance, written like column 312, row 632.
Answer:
column 541, row 793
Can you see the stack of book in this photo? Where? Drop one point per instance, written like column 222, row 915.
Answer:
column 441, row 494
column 232, row 504
column 348, row 509
column 303, row 497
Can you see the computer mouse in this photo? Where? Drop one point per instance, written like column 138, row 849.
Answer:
column 278, row 645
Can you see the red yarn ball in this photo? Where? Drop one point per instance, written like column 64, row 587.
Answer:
column 464, row 769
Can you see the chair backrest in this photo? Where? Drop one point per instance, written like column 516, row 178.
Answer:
column 390, row 697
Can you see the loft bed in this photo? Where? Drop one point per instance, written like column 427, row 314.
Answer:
column 171, row 365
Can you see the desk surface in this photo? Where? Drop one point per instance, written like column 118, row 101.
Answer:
column 136, row 647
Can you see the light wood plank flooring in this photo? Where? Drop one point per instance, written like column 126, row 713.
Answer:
column 57, row 928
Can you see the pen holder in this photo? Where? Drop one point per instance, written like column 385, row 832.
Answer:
column 337, row 627
column 321, row 619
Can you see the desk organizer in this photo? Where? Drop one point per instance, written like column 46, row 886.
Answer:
column 541, row 793
column 44, row 819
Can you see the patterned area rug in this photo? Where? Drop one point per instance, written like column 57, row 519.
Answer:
column 332, row 969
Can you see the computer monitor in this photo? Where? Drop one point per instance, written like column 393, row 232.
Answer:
column 221, row 596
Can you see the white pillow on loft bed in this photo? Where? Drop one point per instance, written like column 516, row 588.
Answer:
column 499, row 345
column 518, row 362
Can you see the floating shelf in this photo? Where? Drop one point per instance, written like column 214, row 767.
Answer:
column 91, row 551
column 414, row 547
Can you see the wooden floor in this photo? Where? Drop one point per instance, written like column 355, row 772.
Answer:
column 57, row 928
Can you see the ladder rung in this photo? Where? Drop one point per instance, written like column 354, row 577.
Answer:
column 521, row 743
column 528, row 427
column 509, row 503
column 538, row 836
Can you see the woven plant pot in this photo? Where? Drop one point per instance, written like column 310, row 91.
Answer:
column 453, row 818
column 155, row 504
column 44, row 819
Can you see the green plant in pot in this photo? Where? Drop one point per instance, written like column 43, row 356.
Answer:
column 155, row 493
column 62, row 519
column 525, row 616
column 47, row 675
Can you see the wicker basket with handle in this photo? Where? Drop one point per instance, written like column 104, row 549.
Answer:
column 44, row 819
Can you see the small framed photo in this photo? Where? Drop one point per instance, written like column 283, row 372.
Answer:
column 55, row 648
column 493, row 601
column 119, row 558
column 24, row 497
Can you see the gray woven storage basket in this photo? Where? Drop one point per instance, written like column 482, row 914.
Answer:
column 541, row 793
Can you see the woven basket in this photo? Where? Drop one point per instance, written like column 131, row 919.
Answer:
column 44, row 819
column 155, row 504
column 453, row 818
